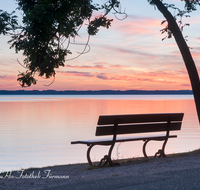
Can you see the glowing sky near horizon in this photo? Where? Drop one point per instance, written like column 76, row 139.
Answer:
column 129, row 55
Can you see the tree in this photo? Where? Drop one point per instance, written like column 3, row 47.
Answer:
column 47, row 23
column 8, row 22
column 173, row 29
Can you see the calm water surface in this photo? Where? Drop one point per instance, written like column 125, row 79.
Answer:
column 37, row 130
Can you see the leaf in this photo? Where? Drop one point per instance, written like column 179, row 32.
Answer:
column 163, row 22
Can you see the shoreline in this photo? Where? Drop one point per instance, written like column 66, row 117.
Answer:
column 96, row 92
column 80, row 176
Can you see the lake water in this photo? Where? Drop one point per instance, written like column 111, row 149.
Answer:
column 36, row 131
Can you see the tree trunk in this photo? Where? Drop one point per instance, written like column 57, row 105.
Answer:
column 185, row 52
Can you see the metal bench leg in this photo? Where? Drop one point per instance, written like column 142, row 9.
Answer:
column 88, row 155
column 161, row 152
column 109, row 155
column 104, row 161
column 107, row 158
column 144, row 148
column 163, row 148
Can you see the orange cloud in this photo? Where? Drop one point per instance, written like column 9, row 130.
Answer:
column 143, row 81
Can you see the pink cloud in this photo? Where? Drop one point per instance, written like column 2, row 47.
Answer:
column 8, row 77
column 97, row 66
column 118, row 67
column 129, row 51
column 76, row 73
column 153, row 77
column 138, row 25
column 186, row 85
column 196, row 54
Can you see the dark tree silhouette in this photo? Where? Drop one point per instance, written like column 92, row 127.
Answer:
column 8, row 22
column 173, row 29
column 48, row 29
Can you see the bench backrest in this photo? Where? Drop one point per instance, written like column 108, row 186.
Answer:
column 138, row 123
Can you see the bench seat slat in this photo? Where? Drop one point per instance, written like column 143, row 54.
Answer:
column 137, row 128
column 139, row 118
column 125, row 139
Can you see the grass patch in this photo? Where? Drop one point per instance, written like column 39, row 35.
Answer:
column 92, row 167
column 197, row 151
column 126, row 161
column 140, row 160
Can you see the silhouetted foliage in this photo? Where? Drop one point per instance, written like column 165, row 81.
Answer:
column 47, row 24
column 8, row 22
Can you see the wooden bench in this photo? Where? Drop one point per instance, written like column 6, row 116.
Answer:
column 128, row 124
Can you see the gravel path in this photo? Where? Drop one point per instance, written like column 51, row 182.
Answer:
column 181, row 172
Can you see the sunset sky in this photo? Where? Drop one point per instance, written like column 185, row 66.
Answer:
column 130, row 55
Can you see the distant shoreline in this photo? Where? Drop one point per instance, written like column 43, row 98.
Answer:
column 97, row 92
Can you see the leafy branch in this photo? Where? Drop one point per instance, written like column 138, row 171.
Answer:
column 47, row 25
column 178, row 16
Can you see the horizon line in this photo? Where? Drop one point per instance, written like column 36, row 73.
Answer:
column 94, row 92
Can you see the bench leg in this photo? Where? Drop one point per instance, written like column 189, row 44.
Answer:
column 144, row 148
column 160, row 153
column 105, row 160
column 88, row 155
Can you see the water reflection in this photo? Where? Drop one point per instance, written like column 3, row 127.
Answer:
column 37, row 131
